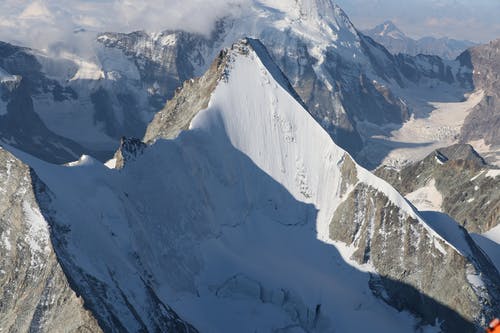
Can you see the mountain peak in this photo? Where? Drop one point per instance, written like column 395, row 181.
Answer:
column 388, row 28
column 195, row 94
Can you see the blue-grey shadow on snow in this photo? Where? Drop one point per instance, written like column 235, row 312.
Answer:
column 200, row 188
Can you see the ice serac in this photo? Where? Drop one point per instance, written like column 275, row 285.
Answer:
column 252, row 106
column 35, row 294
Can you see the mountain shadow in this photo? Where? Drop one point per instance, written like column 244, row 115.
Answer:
column 135, row 232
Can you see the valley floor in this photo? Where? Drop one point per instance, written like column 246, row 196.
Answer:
column 433, row 125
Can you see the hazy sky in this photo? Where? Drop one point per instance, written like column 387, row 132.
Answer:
column 39, row 23
column 476, row 20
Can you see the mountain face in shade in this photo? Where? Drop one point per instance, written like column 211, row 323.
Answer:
column 253, row 219
column 389, row 35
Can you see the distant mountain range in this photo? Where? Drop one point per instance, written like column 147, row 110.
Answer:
column 389, row 35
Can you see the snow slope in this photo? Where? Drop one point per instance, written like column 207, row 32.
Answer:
column 227, row 224
column 490, row 243
column 427, row 197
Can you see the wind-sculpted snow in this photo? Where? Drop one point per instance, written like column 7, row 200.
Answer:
column 227, row 227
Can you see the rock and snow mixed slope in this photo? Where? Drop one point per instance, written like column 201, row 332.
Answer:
column 455, row 180
column 35, row 294
column 253, row 219
column 482, row 125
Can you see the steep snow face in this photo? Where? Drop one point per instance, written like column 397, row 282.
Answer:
column 227, row 225
column 310, row 175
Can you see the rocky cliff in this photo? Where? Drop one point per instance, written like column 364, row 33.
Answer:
column 35, row 294
column 483, row 123
column 467, row 187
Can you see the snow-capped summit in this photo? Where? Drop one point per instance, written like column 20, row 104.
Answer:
column 388, row 28
column 311, row 11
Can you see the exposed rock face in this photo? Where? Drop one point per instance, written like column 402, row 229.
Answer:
column 130, row 149
column 35, row 295
column 188, row 100
column 419, row 67
column 400, row 249
column 484, row 120
column 397, row 42
column 165, row 60
column 460, row 174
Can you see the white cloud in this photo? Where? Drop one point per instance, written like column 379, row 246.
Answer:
column 42, row 23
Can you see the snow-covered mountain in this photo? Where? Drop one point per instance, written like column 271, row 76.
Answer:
column 389, row 35
column 253, row 219
column 348, row 82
